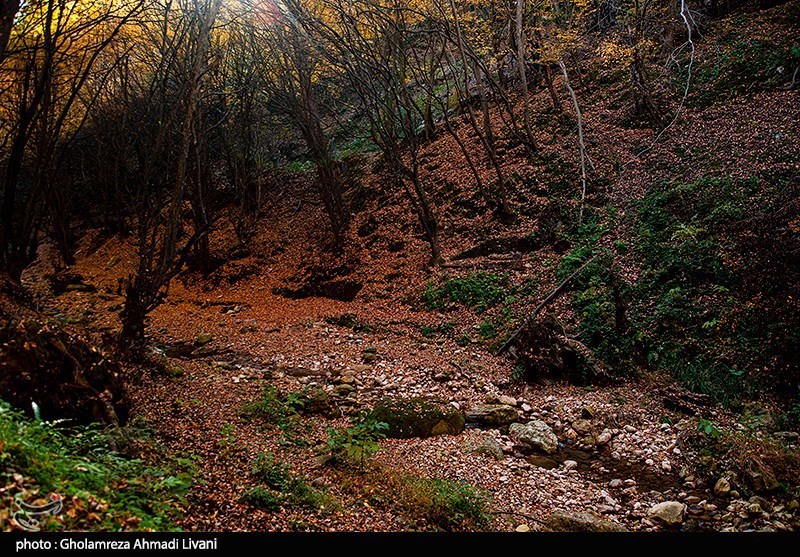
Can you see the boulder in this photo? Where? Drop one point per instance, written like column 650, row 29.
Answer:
column 491, row 448
column 563, row 521
column 670, row 513
column 492, row 414
column 535, row 435
column 418, row 417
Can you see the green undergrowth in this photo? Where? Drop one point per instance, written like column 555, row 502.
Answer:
column 280, row 487
column 103, row 490
column 740, row 58
column 479, row 291
column 696, row 310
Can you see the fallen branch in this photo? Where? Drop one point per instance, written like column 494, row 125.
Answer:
column 552, row 296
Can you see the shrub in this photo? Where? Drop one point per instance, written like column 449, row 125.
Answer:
column 270, row 407
column 283, row 488
column 475, row 290
column 444, row 504
column 358, row 442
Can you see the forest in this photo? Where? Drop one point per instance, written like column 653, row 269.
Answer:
column 400, row 265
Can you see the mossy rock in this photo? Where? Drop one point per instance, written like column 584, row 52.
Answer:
column 418, row 417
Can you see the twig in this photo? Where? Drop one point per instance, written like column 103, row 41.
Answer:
column 552, row 296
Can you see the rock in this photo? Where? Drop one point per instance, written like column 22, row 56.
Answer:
column 761, row 478
column 507, row 400
column 670, row 513
column 615, row 483
column 342, row 390
column 587, row 413
column 203, row 338
column 535, row 435
column 754, row 509
column 522, row 528
column 564, row 521
column 368, row 357
column 542, row 462
column 491, row 448
column 360, row 368
column 583, row 427
column 604, row 437
column 722, row 487
column 526, row 407
column 418, row 417
column 492, row 414
column 570, row 464
column 793, row 505
column 316, row 401
column 629, row 429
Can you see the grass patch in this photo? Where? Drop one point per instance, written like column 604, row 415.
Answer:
column 103, row 489
column 479, row 291
column 283, row 488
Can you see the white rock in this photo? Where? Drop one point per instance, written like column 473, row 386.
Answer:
column 570, row 464
column 669, row 512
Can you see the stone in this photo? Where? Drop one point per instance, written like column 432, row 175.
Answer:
column 754, row 509
column 761, row 480
column 587, row 413
column 342, row 390
column 203, row 338
column 507, row 400
column 793, row 505
column 522, row 528
column 722, row 487
column 670, row 513
column 492, row 414
column 542, row 462
column 491, row 448
column 629, row 429
column 565, row 521
column 418, row 417
column 582, row 426
column 526, row 407
column 535, row 435
column 603, row 438
column 570, row 464
column 360, row 368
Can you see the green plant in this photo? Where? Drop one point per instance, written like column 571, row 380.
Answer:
column 475, row 290
column 358, row 442
column 283, row 488
column 271, row 407
column 263, row 498
column 275, row 474
column 444, row 504
column 709, row 428
column 431, row 331
column 105, row 490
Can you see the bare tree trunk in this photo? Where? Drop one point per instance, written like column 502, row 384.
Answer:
column 581, row 144
column 523, row 72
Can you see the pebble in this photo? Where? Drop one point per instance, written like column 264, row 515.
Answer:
column 570, row 464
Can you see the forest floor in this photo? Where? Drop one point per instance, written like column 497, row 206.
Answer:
column 384, row 342
column 259, row 338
